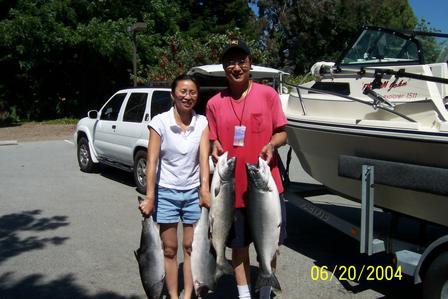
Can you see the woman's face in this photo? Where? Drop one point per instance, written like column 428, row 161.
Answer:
column 185, row 95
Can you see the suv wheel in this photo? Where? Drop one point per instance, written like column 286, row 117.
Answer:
column 140, row 171
column 84, row 158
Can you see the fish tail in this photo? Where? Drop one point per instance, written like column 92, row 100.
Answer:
column 202, row 290
column 223, row 269
column 267, row 281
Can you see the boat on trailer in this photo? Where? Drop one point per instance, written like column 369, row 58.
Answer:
column 382, row 104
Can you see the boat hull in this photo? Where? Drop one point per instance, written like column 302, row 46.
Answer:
column 318, row 145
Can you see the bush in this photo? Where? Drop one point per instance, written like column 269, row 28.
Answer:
column 9, row 117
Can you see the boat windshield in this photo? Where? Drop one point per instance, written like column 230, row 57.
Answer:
column 435, row 48
column 382, row 47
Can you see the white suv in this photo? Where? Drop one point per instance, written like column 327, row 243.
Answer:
column 117, row 135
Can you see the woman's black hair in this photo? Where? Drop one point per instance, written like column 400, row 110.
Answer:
column 183, row 77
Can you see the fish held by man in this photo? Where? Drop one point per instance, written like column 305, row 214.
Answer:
column 222, row 210
column 203, row 257
column 150, row 258
column 264, row 213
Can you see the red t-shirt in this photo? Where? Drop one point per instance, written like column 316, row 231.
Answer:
column 261, row 113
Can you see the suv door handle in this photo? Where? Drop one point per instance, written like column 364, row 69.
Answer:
column 114, row 127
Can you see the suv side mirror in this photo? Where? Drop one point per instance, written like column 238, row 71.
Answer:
column 92, row 114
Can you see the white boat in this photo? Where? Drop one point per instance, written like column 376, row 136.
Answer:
column 379, row 103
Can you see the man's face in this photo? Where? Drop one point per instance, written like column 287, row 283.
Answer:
column 237, row 66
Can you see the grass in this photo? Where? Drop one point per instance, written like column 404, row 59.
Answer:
column 59, row 121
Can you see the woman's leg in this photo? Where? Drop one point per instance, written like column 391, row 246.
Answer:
column 168, row 233
column 188, row 279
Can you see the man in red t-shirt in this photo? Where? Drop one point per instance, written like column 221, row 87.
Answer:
column 246, row 120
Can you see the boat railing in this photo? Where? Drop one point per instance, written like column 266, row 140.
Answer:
column 377, row 100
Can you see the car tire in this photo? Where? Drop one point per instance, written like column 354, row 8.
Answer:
column 140, row 171
column 84, row 157
column 435, row 284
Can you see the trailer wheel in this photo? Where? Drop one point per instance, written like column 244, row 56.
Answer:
column 435, row 285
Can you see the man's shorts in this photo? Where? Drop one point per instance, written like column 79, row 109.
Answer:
column 240, row 236
column 172, row 206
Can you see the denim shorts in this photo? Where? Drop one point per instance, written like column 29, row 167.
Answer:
column 173, row 205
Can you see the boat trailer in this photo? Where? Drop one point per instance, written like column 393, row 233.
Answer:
column 426, row 264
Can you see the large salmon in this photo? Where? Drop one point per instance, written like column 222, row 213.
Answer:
column 150, row 258
column 203, row 257
column 264, row 213
column 222, row 210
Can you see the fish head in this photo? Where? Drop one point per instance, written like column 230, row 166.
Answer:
column 225, row 167
column 259, row 174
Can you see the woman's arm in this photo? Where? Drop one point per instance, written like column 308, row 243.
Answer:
column 204, row 169
column 147, row 206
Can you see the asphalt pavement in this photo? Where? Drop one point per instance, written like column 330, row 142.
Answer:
column 69, row 234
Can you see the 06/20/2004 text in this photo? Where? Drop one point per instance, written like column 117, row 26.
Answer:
column 356, row 273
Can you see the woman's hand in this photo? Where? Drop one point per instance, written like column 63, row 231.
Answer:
column 204, row 198
column 147, row 206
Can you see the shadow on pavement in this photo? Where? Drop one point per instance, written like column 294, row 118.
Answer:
column 33, row 286
column 225, row 287
column 115, row 174
column 11, row 225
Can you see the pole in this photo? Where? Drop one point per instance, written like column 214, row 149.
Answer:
column 134, row 59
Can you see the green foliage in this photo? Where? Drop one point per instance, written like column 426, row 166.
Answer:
column 60, row 58
column 179, row 52
column 9, row 117
column 435, row 50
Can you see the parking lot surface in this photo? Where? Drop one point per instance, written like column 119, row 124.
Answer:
column 68, row 234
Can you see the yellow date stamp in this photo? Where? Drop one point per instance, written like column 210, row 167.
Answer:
column 356, row 273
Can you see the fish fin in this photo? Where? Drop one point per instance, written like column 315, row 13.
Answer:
column 155, row 290
column 213, row 251
column 223, row 270
column 265, row 281
column 136, row 254
column 217, row 189
column 210, row 227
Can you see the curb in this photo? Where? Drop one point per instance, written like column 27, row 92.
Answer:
column 8, row 142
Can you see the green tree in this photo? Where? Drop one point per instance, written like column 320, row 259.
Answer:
column 304, row 31
column 203, row 29
column 61, row 57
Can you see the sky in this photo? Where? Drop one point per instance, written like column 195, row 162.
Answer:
column 433, row 11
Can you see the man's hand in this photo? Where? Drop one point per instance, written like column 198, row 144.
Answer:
column 216, row 151
column 267, row 152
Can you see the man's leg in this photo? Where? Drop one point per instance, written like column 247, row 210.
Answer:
column 241, row 265
column 239, row 240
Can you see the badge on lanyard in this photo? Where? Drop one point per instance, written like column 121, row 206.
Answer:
column 238, row 136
